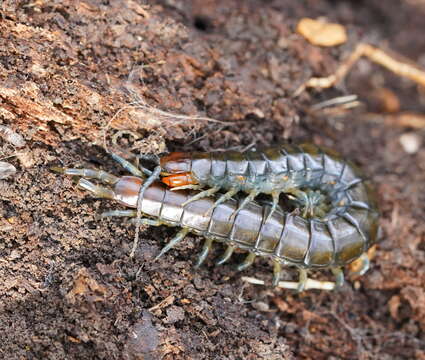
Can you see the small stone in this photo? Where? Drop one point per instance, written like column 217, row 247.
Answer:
column 261, row 306
column 174, row 314
column 411, row 142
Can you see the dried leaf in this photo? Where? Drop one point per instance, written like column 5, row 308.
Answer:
column 321, row 33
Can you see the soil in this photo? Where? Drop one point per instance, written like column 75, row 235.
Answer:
column 79, row 75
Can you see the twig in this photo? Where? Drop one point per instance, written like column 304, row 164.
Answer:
column 374, row 54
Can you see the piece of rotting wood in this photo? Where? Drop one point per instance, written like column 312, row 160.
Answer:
column 374, row 54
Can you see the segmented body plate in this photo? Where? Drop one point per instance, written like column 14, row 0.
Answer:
column 288, row 237
column 279, row 168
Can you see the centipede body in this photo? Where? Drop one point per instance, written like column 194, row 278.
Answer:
column 344, row 233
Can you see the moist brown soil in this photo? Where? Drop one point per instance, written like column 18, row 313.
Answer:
column 71, row 72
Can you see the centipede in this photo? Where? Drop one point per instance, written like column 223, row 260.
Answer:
column 334, row 219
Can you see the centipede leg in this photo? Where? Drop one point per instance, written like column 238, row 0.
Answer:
column 148, row 182
column 311, row 202
column 132, row 213
column 98, row 191
column 228, row 195
column 226, row 255
column 186, row 187
column 245, row 202
column 145, row 221
column 150, row 157
column 307, row 204
column 277, row 271
column 128, row 166
column 302, row 281
column 339, row 277
column 88, row 173
column 365, row 265
column 247, row 262
column 173, row 242
column 204, row 252
column 275, row 196
column 202, row 194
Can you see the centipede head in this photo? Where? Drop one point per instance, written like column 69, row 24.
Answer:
column 177, row 167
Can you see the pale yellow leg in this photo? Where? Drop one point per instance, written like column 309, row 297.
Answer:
column 202, row 194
